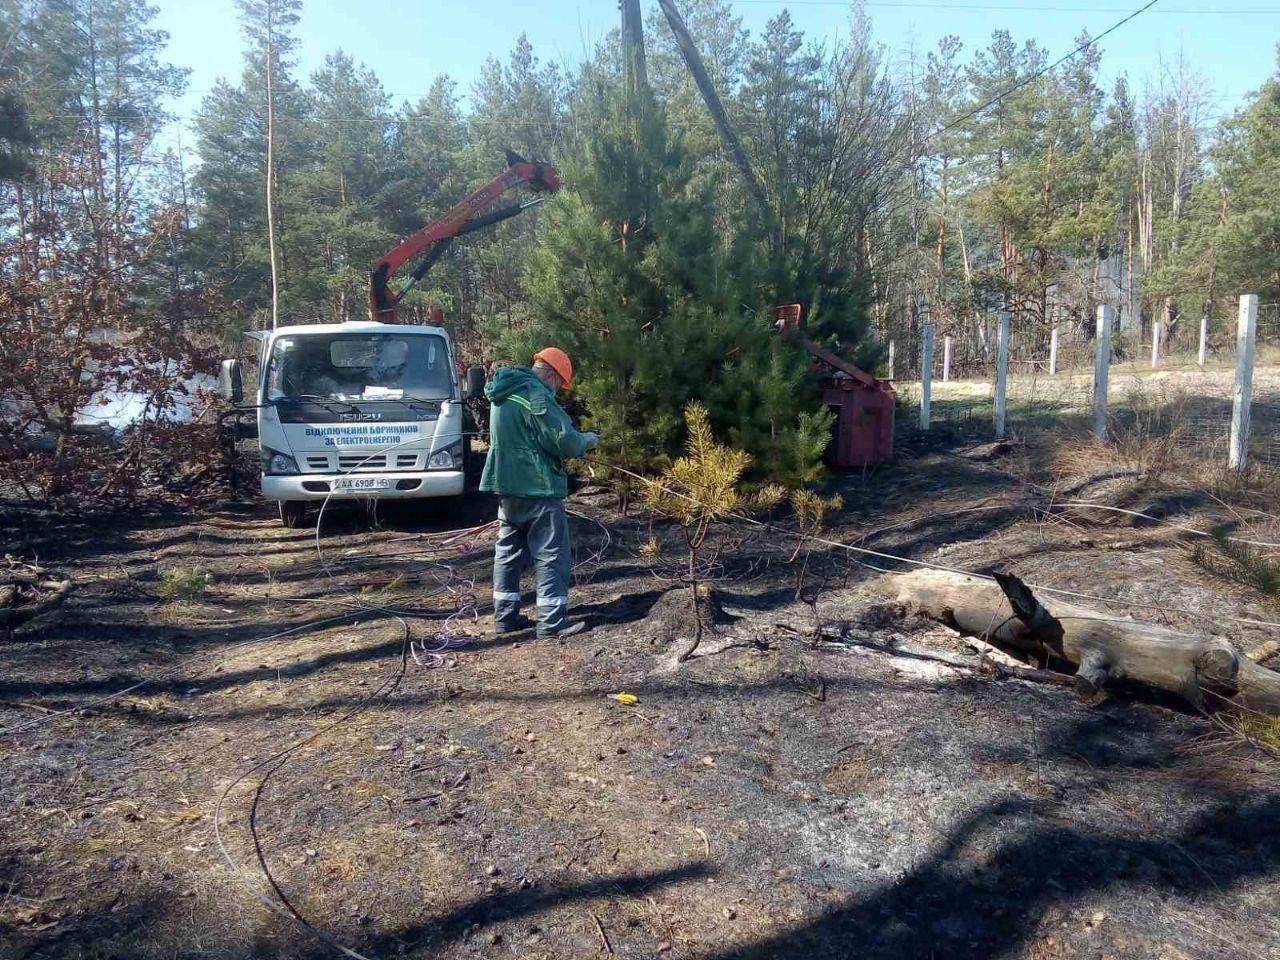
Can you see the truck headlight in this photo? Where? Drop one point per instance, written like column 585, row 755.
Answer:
column 448, row 458
column 277, row 463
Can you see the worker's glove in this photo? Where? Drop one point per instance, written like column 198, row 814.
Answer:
column 593, row 439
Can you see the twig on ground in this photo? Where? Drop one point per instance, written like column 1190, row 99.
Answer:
column 25, row 705
column 605, row 945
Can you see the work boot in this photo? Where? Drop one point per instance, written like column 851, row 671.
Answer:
column 568, row 630
column 501, row 627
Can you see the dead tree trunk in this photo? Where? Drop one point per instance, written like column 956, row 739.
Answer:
column 1206, row 671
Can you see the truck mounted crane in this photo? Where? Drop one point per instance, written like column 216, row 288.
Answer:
column 466, row 216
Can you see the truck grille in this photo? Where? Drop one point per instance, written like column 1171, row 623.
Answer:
column 357, row 461
column 325, row 462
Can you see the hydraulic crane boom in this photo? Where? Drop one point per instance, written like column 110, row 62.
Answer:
column 466, row 216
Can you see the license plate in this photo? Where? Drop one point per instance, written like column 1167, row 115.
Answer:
column 362, row 483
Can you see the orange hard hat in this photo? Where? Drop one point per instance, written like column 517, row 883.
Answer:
column 558, row 361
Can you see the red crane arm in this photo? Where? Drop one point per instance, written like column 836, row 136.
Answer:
column 786, row 320
column 465, row 216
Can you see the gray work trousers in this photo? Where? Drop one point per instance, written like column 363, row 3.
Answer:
column 532, row 531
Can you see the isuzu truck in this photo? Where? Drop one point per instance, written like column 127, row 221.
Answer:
column 357, row 410
column 374, row 409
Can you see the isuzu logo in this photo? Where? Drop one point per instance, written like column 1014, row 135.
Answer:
column 359, row 417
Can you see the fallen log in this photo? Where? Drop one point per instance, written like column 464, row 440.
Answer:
column 28, row 591
column 1206, row 671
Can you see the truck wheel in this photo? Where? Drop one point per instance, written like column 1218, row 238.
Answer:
column 293, row 513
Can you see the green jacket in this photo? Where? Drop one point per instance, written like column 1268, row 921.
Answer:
column 529, row 437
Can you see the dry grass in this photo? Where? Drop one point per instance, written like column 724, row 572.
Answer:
column 1236, row 562
column 1165, row 437
column 854, row 776
column 184, row 584
column 1260, row 730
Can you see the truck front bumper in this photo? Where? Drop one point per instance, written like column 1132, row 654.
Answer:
column 393, row 486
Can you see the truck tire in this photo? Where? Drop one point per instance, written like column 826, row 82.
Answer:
column 293, row 513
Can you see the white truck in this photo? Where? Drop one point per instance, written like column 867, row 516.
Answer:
column 373, row 409
column 357, row 410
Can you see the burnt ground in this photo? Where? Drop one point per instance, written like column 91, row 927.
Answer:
column 782, row 798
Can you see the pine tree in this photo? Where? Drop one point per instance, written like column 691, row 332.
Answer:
column 658, row 308
column 15, row 136
column 336, row 228
column 230, row 233
column 1247, row 162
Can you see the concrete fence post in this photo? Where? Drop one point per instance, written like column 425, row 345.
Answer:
column 1155, row 345
column 1053, row 350
column 946, row 359
column 1002, row 373
column 1242, row 397
column 926, row 374
column 1204, row 333
column 1102, row 369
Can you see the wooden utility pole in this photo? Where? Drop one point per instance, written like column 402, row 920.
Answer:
column 1205, row 670
column 633, row 47
column 693, row 60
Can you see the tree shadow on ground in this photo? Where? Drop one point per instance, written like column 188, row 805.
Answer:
column 980, row 898
column 115, row 932
column 611, row 613
column 507, row 905
column 674, row 691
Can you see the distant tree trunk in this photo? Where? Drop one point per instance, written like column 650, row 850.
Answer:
column 100, row 177
column 271, row 174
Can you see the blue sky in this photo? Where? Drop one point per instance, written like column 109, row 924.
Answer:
column 1231, row 42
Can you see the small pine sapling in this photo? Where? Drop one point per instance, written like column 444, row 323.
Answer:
column 811, row 513
column 700, row 489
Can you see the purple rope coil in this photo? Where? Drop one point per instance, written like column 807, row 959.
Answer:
column 456, row 632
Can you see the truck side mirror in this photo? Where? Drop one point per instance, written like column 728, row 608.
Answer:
column 230, row 382
column 475, row 382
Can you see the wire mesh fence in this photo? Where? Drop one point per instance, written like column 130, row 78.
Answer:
column 973, row 345
column 1179, row 405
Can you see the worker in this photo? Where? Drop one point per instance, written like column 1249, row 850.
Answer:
column 530, row 436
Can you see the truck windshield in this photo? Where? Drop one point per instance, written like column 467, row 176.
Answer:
column 359, row 367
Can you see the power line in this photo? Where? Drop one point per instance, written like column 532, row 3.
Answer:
column 1031, row 78
column 1038, row 73
column 1018, row 8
